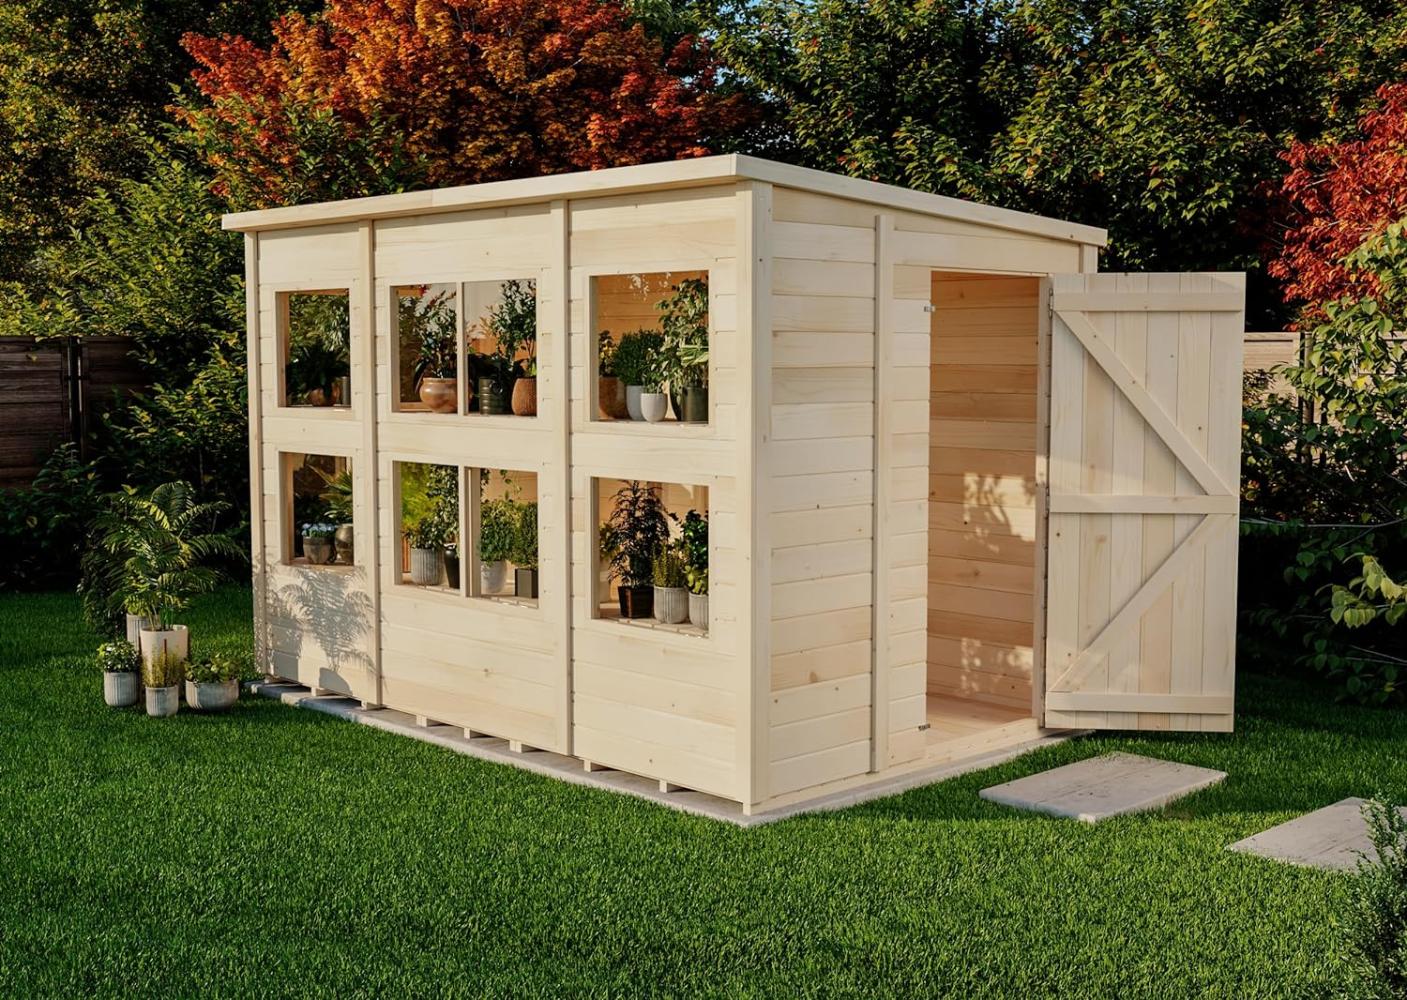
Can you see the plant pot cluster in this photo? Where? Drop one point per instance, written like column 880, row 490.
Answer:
column 153, row 671
column 649, row 373
column 662, row 576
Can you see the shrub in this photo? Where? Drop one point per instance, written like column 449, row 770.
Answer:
column 163, row 670
column 119, row 657
column 497, row 523
column 44, row 527
column 213, row 669
column 636, row 357
column 1377, row 911
column 669, row 568
column 524, row 552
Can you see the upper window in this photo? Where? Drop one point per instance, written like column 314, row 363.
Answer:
column 315, row 342
column 427, row 348
column 501, row 346
column 651, row 356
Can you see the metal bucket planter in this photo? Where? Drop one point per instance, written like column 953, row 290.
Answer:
column 671, row 605
column 492, row 576
column 696, row 404
column 120, row 688
column 525, row 583
column 217, row 696
column 162, row 702
column 319, row 551
column 345, row 540
column 492, row 398
column 698, row 610
column 426, row 566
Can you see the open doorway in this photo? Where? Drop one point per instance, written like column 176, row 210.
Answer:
column 981, row 512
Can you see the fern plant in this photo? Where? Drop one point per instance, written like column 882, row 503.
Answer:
column 162, row 545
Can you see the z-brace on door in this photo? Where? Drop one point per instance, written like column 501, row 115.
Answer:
column 1143, row 472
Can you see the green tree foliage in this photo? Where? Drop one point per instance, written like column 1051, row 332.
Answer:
column 44, row 526
column 81, row 83
column 1161, row 119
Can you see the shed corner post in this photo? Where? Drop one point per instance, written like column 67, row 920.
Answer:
column 369, row 415
column 560, row 362
column 754, row 285
column 257, row 552
column 883, row 466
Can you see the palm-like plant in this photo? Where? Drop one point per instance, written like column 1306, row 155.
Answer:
column 161, row 545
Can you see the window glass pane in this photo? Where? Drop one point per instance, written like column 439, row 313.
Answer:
column 501, row 325
column 320, row 518
column 317, row 349
column 652, row 346
column 427, row 348
column 653, row 553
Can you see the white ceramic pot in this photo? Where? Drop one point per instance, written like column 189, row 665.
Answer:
column 175, row 640
column 426, row 567
column 632, row 401
column 698, row 610
column 162, row 702
column 135, row 624
column 120, row 688
column 216, row 696
column 654, row 406
column 492, row 576
column 671, row 605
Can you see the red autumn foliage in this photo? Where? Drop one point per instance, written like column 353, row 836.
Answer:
column 1338, row 195
column 400, row 93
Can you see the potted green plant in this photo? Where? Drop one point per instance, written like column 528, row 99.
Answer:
column 427, row 539
column 654, row 404
column 671, row 595
column 638, row 528
column 120, row 662
column 635, row 360
column 498, row 520
column 684, row 349
column 319, row 350
column 338, row 497
column 166, row 541
column 610, row 391
column 694, row 542
column 524, row 554
column 512, row 322
column 431, row 326
column 162, row 673
column 319, row 542
column 212, row 683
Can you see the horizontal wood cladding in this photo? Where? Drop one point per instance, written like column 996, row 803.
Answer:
column 981, row 487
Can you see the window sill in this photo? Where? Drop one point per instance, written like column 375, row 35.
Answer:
column 611, row 613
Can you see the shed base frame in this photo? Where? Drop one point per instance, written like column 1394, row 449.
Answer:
column 838, row 795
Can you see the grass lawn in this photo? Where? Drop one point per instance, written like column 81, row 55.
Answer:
column 275, row 851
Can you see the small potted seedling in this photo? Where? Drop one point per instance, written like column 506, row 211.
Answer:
column 694, row 542
column 524, row 555
column 636, row 531
column 162, row 673
column 427, row 551
column 120, row 663
column 212, row 683
column 683, row 361
column 319, row 542
column 654, row 404
column 671, row 593
column 635, row 360
column 498, row 521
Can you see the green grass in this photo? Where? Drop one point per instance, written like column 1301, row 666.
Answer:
column 274, row 851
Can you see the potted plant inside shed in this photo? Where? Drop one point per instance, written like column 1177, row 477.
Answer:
column 498, row 521
column 319, row 542
column 512, row 322
column 635, row 361
column 684, row 350
column 431, row 325
column 654, row 404
column 167, row 542
column 212, row 683
column 120, row 662
column 162, row 673
column 671, row 595
column 338, row 497
column 318, row 368
column 694, row 542
column 637, row 530
column 524, row 556
column 610, row 392
column 427, row 539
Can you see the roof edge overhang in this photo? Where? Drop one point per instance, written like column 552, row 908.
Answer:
column 664, row 176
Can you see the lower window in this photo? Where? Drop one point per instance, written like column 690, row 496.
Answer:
column 429, row 504
column 652, row 554
column 318, row 518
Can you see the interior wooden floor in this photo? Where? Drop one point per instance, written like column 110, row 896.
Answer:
column 961, row 727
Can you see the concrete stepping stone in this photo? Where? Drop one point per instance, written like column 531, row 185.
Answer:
column 1100, row 787
column 1332, row 838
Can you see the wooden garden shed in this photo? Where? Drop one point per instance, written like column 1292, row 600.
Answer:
column 960, row 489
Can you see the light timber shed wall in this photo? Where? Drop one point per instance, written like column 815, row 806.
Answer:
column 835, row 439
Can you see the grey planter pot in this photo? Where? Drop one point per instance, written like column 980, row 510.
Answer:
column 135, row 624
column 698, row 610
column 671, row 605
column 492, row 576
column 525, row 583
column 344, row 541
column 654, row 406
column 317, row 550
column 215, row 697
column 426, row 567
column 120, row 690
column 696, row 404
column 162, row 702
column 632, row 401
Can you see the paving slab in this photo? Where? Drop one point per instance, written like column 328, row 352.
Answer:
column 1099, row 787
column 1333, row 838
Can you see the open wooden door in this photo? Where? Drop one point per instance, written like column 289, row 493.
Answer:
column 1143, row 389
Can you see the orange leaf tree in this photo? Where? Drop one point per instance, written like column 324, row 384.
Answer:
column 384, row 95
column 1338, row 195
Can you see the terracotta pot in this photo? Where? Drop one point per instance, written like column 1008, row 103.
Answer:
column 610, row 396
column 426, row 567
column 120, row 688
column 491, row 397
column 696, row 404
column 318, row 551
column 216, row 696
column 636, row 602
column 492, row 576
column 525, row 397
column 653, row 406
column 671, row 605
column 345, row 541
column 698, row 610
column 525, row 583
column 162, row 702
column 632, row 402
column 315, row 397
column 440, row 394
